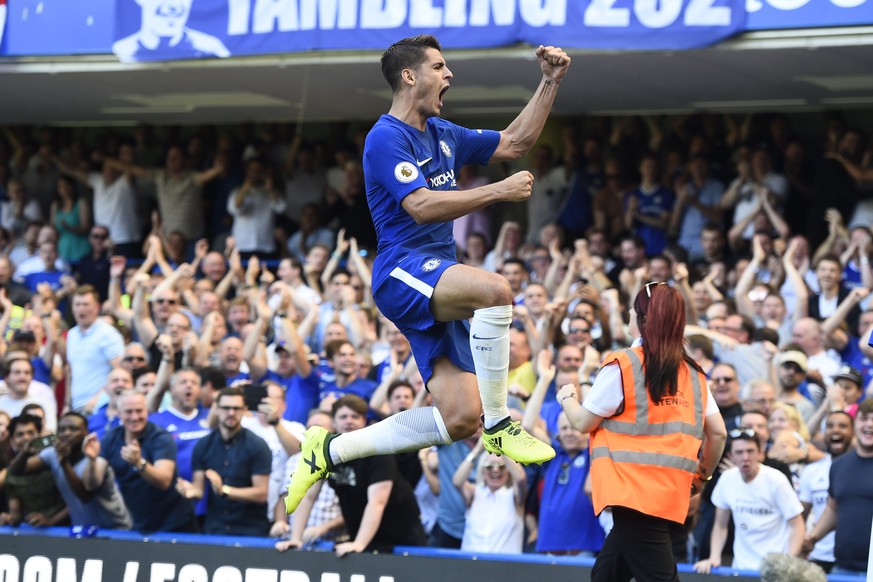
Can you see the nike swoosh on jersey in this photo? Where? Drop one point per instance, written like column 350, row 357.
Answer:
column 423, row 162
column 476, row 337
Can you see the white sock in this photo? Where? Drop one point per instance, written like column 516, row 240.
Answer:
column 489, row 342
column 405, row 431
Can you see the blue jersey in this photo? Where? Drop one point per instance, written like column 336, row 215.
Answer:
column 185, row 432
column 399, row 159
column 301, row 394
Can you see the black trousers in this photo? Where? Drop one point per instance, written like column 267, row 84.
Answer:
column 639, row 547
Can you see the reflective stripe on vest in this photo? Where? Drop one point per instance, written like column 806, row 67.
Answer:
column 642, row 427
column 657, row 459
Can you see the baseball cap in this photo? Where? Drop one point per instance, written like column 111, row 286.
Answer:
column 794, row 357
column 850, row 373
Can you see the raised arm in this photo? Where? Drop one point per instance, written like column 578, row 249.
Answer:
column 342, row 246
column 795, row 279
column 521, row 135
column 76, row 174
column 142, row 320
column 530, row 421
column 747, row 280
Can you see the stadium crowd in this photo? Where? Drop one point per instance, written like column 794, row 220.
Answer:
column 178, row 306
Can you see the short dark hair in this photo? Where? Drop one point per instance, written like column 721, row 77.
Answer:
column 396, row 384
column 744, row 434
column 7, row 368
column 138, row 373
column 334, row 346
column 32, row 406
column 78, row 415
column 516, row 261
column 25, row 419
column 356, row 403
column 702, row 343
column 87, row 290
column 214, row 376
column 866, row 407
column 830, row 257
column 407, row 53
column 229, row 391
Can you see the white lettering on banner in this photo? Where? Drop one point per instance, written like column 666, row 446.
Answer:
column 455, row 13
column 422, row 13
column 543, row 12
column 269, row 13
column 9, row 568
column 651, row 15
column 193, row 573
column 37, row 569
column 238, row 16
column 602, row 13
column 162, row 572
column 382, row 13
column 293, row 576
column 261, row 575
column 502, row 10
column 756, row 5
column 703, row 13
column 268, row 16
column 787, row 4
column 227, row 574
column 93, row 570
column 331, row 14
column 131, row 571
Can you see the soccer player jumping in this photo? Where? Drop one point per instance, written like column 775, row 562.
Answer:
column 411, row 159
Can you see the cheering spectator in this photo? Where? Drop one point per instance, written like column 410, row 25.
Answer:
column 143, row 457
column 24, row 390
column 235, row 464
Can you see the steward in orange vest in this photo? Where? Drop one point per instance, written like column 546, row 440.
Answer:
column 653, row 474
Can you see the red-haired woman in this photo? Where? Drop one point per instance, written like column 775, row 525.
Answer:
column 656, row 436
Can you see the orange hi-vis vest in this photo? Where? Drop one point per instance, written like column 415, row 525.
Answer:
column 645, row 456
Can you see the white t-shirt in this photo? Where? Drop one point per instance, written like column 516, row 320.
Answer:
column 814, row 482
column 827, row 363
column 115, row 206
column 493, row 524
column 37, row 393
column 280, row 455
column 760, row 510
column 606, row 395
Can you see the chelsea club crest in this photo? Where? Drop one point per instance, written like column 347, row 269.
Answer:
column 430, row 264
column 446, row 149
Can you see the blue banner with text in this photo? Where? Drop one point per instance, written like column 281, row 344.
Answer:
column 150, row 30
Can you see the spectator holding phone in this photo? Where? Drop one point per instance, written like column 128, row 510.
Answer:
column 85, row 480
column 33, row 498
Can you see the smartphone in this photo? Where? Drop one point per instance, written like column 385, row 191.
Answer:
column 253, row 394
column 43, row 442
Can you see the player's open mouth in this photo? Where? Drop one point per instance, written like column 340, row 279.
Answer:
column 443, row 92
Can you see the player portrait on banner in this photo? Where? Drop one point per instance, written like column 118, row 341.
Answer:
column 164, row 34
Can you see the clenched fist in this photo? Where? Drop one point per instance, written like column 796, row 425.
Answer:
column 518, row 187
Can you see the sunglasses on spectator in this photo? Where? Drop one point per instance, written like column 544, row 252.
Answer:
column 649, row 286
column 580, row 330
column 133, row 359
column 739, row 433
column 723, row 379
column 99, row 236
